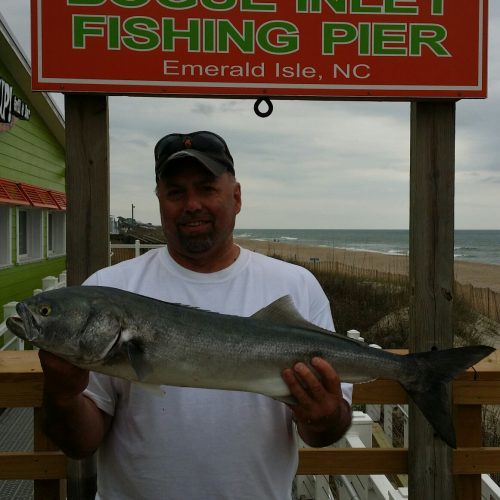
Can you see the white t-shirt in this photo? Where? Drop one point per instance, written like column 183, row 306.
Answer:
column 201, row 444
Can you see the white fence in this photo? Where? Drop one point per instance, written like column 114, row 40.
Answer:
column 137, row 246
column 373, row 487
column 11, row 342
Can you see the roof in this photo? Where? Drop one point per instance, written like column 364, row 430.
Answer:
column 18, row 65
column 19, row 193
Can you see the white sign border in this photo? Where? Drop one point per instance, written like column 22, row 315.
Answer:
column 284, row 86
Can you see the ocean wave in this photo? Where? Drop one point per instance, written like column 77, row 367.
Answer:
column 478, row 246
column 398, row 251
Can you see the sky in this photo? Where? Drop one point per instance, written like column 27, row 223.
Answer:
column 311, row 164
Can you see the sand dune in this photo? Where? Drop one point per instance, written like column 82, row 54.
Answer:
column 476, row 274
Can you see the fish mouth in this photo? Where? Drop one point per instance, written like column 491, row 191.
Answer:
column 23, row 326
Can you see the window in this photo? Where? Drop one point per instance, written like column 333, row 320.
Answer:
column 29, row 234
column 5, row 236
column 56, row 233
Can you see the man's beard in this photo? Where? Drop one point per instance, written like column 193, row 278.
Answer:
column 196, row 244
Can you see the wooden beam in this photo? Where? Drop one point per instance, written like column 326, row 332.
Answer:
column 349, row 461
column 432, row 186
column 32, row 465
column 21, row 382
column 359, row 461
column 472, row 393
column 379, row 392
column 87, row 185
column 45, row 488
column 469, row 434
column 87, row 190
column 476, row 461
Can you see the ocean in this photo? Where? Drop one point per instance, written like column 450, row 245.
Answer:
column 472, row 245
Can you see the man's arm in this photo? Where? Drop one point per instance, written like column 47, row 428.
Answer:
column 71, row 420
column 322, row 415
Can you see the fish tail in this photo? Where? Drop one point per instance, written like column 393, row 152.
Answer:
column 426, row 383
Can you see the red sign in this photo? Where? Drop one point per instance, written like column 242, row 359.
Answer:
column 391, row 49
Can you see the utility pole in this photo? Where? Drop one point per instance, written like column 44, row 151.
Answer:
column 133, row 206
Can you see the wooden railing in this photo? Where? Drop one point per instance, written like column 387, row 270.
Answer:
column 21, row 381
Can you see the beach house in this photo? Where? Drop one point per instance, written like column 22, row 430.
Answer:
column 32, row 178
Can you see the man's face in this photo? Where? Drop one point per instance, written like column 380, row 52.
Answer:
column 198, row 212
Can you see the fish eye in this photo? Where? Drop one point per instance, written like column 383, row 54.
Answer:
column 44, row 310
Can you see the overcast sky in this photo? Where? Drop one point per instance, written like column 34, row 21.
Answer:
column 311, row 164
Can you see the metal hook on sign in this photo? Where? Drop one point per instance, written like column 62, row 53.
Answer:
column 258, row 102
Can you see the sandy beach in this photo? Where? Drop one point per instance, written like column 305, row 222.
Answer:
column 477, row 274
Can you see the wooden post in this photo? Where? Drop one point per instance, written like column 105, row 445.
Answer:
column 469, row 434
column 87, row 185
column 432, row 183
column 87, row 234
column 48, row 489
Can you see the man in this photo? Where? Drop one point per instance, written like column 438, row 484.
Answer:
column 196, row 443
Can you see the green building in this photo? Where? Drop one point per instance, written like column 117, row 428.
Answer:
column 32, row 179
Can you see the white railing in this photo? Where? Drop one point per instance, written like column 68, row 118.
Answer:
column 11, row 342
column 367, row 487
column 137, row 246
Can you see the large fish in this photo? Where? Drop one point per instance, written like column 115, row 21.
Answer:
column 126, row 335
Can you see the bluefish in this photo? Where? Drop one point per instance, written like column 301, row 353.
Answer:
column 141, row 339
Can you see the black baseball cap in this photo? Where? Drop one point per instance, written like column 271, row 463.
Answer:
column 207, row 148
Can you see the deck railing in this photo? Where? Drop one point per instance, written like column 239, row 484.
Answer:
column 21, row 382
column 10, row 341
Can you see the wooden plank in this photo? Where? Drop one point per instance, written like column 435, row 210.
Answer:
column 21, row 379
column 40, row 440
column 25, row 363
column 21, row 382
column 380, row 440
column 379, row 392
column 46, row 488
column 87, row 190
column 468, row 421
column 432, row 161
column 52, row 465
column 32, row 465
column 22, row 364
column 18, row 391
column 21, row 394
column 87, row 185
column 486, row 369
column 357, row 461
column 476, row 393
column 476, row 461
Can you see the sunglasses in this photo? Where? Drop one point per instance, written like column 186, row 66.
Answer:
column 211, row 144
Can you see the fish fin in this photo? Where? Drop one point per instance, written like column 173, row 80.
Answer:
column 135, row 354
column 426, row 384
column 283, row 311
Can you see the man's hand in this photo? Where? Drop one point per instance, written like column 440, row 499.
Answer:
column 70, row 419
column 62, row 380
column 321, row 413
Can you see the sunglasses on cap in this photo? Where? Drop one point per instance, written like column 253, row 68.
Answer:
column 207, row 148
